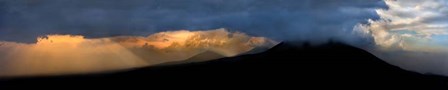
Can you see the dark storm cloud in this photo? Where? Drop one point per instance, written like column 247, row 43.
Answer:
column 309, row 20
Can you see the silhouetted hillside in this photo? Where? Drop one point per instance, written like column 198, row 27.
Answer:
column 332, row 65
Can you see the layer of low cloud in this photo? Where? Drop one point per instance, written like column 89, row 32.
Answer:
column 74, row 54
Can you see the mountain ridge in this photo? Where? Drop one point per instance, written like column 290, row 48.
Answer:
column 332, row 64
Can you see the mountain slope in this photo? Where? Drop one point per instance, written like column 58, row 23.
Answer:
column 331, row 65
column 201, row 57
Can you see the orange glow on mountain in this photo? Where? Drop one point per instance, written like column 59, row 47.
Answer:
column 74, row 54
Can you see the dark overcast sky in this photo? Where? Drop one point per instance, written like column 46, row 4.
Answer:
column 313, row 20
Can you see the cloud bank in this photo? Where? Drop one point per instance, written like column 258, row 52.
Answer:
column 411, row 25
column 74, row 54
column 412, row 34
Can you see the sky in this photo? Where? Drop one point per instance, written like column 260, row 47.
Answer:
column 411, row 34
column 23, row 20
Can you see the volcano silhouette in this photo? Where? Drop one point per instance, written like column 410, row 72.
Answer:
column 331, row 65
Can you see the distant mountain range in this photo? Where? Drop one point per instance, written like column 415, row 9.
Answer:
column 331, row 65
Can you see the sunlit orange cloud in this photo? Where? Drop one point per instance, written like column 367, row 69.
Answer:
column 74, row 54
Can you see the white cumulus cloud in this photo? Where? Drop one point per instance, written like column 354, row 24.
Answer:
column 413, row 25
column 412, row 34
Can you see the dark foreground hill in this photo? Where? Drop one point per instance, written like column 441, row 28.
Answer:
column 332, row 65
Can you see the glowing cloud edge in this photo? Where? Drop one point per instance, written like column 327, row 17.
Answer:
column 74, row 54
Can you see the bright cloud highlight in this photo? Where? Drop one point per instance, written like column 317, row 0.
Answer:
column 74, row 54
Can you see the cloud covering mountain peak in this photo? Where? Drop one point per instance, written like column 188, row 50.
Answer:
column 72, row 54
